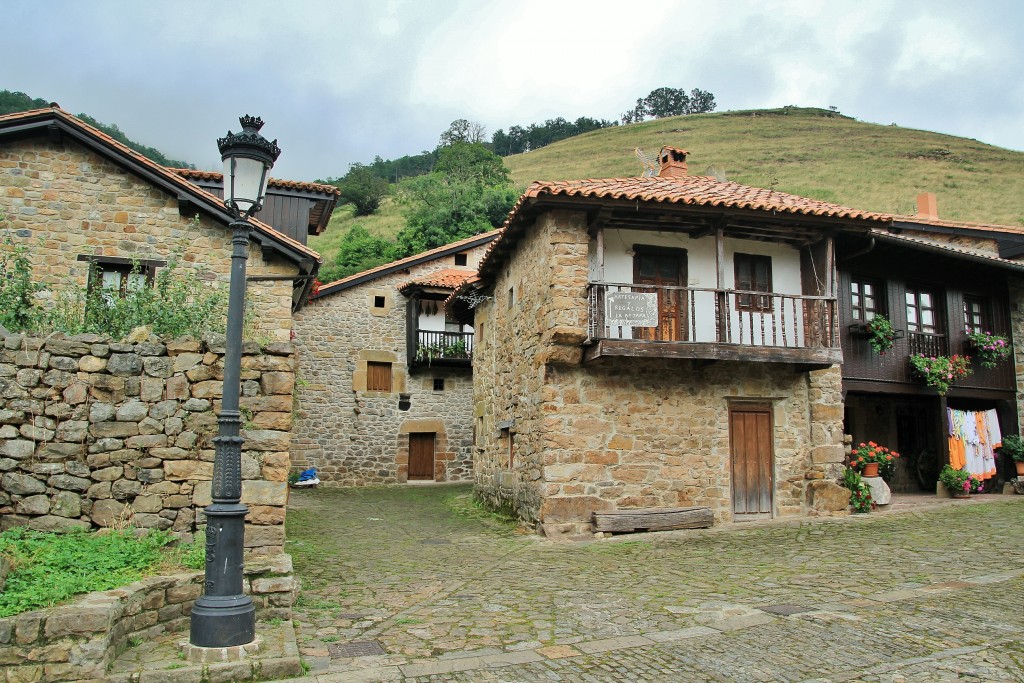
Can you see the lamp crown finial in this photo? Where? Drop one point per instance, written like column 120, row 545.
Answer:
column 251, row 122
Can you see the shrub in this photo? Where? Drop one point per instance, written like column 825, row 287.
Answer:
column 19, row 309
column 50, row 568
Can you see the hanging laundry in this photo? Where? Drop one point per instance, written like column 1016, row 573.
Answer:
column 973, row 436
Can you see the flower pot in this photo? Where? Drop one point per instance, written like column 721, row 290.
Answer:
column 870, row 469
column 1020, row 467
column 961, row 496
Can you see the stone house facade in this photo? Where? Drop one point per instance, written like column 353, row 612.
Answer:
column 384, row 393
column 81, row 200
column 665, row 342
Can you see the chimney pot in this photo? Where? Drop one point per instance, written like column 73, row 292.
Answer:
column 927, row 206
column 673, row 162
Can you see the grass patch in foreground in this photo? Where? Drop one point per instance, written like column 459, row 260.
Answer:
column 48, row 568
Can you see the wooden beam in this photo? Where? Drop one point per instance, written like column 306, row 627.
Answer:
column 653, row 519
column 814, row 358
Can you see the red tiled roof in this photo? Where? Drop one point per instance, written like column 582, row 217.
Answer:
column 380, row 271
column 696, row 191
column 215, row 176
column 140, row 161
column 449, row 278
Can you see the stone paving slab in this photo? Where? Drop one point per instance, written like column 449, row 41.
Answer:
column 930, row 594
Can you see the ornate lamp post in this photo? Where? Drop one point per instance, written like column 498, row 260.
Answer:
column 223, row 616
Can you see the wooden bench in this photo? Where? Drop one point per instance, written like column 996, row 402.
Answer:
column 653, row 519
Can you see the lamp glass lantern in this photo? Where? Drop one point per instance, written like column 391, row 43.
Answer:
column 248, row 158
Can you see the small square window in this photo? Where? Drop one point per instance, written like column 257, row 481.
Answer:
column 461, row 259
column 378, row 376
column 439, row 384
column 378, row 302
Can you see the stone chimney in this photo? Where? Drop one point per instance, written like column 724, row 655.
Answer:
column 673, row 162
column 927, row 206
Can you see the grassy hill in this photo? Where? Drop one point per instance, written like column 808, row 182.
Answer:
column 810, row 152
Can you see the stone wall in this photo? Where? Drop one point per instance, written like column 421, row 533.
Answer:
column 95, row 433
column 1016, row 293
column 64, row 201
column 625, row 432
column 536, row 319
column 79, row 640
column 356, row 437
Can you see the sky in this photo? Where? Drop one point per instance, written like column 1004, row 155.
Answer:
column 340, row 82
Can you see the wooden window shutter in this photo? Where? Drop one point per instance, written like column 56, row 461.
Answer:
column 378, row 376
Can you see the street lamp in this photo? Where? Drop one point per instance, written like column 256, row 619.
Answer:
column 224, row 616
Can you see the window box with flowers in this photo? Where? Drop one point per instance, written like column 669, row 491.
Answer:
column 940, row 371
column 880, row 333
column 868, row 457
column 989, row 348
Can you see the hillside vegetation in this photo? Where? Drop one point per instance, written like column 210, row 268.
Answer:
column 815, row 153
column 810, row 152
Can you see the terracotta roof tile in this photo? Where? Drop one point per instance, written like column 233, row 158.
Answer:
column 215, row 176
column 449, row 278
column 965, row 225
column 697, row 191
column 153, row 167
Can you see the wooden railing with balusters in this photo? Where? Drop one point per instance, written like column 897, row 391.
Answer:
column 722, row 316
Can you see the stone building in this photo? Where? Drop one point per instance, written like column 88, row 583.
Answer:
column 385, row 383
column 84, row 203
column 95, row 430
column 677, row 341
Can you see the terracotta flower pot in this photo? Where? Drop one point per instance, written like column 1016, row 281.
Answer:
column 1020, row 467
column 870, row 469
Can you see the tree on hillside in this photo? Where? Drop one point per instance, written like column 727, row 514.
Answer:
column 358, row 251
column 362, row 188
column 467, row 193
column 462, row 130
column 662, row 102
column 13, row 102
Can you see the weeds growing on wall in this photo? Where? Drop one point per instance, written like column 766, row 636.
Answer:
column 177, row 303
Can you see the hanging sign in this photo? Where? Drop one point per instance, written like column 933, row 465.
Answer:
column 631, row 309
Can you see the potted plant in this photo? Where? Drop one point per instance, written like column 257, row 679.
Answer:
column 883, row 336
column 860, row 494
column 879, row 331
column 867, row 457
column 940, row 371
column 960, row 483
column 1013, row 446
column 991, row 348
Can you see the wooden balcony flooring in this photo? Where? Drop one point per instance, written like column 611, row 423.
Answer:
column 804, row 358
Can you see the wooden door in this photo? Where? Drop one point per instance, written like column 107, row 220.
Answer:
column 421, row 456
column 662, row 268
column 750, row 436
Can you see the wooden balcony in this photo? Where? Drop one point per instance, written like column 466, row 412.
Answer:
column 442, row 349
column 712, row 324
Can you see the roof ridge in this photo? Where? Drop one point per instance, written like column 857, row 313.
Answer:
column 436, row 252
column 163, row 171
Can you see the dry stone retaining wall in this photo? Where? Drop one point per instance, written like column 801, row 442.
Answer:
column 78, row 641
column 96, row 433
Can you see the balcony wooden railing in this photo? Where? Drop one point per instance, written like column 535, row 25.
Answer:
column 927, row 344
column 434, row 347
column 696, row 315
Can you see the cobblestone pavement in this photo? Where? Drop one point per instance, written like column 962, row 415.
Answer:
column 415, row 584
